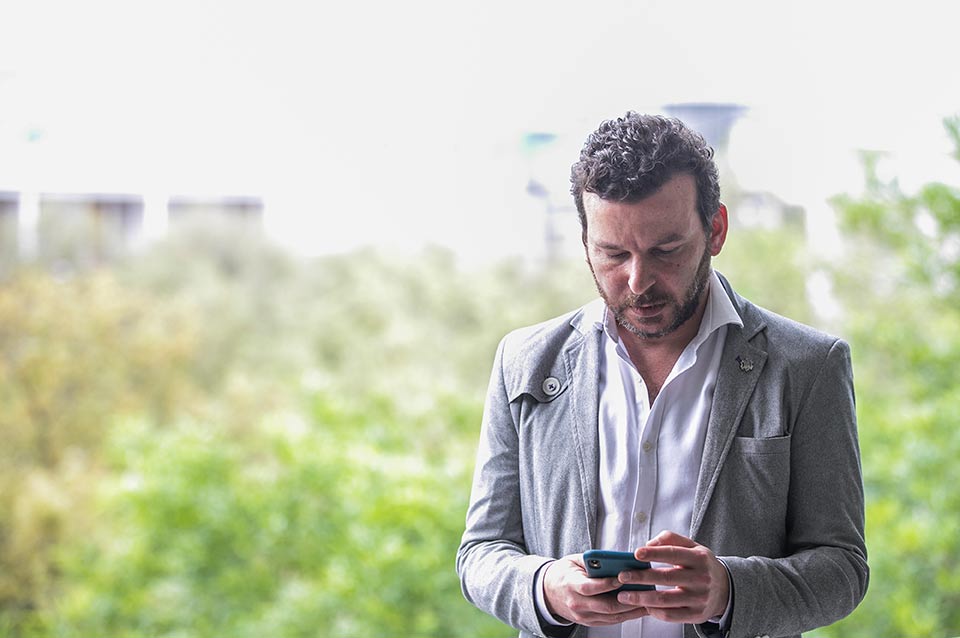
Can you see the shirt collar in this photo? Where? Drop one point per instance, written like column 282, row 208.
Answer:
column 719, row 312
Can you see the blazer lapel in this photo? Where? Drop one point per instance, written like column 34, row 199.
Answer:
column 582, row 359
column 741, row 365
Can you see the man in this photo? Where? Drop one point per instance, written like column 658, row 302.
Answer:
column 671, row 418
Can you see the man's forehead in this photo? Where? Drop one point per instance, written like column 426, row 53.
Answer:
column 668, row 215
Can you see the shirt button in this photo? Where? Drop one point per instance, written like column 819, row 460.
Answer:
column 642, row 517
column 647, row 446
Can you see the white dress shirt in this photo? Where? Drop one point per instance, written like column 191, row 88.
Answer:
column 650, row 454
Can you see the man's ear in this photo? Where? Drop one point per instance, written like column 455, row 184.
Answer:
column 718, row 231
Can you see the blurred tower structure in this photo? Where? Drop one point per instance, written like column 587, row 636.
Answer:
column 711, row 119
column 547, row 157
column 715, row 121
column 757, row 208
column 547, row 184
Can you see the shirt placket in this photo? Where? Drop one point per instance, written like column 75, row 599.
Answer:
column 646, row 464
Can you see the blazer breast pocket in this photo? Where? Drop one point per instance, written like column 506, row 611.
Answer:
column 758, row 471
column 750, row 446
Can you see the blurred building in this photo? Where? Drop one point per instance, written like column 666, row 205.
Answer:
column 246, row 208
column 91, row 228
column 747, row 207
column 549, row 156
column 8, row 227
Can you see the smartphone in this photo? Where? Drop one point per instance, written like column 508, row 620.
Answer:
column 601, row 563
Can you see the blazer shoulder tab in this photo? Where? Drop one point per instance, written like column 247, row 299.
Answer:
column 533, row 357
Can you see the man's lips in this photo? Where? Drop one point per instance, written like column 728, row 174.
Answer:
column 648, row 310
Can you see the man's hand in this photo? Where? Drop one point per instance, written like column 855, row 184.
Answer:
column 573, row 596
column 699, row 583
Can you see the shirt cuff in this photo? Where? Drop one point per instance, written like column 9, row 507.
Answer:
column 724, row 620
column 542, row 601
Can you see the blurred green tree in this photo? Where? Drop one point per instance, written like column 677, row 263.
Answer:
column 769, row 267
column 900, row 284
column 392, row 356
column 74, row 353
column 286, row 531
column 214, row 437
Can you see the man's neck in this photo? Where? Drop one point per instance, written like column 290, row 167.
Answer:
column 654, row 357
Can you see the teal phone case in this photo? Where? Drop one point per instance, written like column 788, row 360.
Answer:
column 601, row 563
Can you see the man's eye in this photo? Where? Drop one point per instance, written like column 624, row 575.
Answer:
column 617, row 256
column 663, row 252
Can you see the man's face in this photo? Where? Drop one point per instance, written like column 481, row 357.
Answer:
column 651, row 259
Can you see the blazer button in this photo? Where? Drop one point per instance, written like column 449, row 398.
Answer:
column 550, row 386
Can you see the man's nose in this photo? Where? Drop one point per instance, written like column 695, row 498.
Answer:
column 641, row 276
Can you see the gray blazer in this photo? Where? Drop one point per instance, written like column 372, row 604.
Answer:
column 779, row 496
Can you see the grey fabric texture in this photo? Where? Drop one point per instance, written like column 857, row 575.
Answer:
column 779, row 496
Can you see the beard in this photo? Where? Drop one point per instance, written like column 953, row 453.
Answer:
column 683, row 308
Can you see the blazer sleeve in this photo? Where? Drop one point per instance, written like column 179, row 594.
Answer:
column 497, row 574
column 823, row 574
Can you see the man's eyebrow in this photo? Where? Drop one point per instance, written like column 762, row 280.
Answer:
column 671, row 238
column 603, row 245
column 666, row 239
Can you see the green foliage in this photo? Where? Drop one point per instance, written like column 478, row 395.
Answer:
column 769, row 266
column 71, row 351
column 74, row 353
column 289, row 530
column 212, row 437
column 248, row 443
column 379, row 315
column 906, row 341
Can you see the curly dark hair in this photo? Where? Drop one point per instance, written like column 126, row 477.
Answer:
column 629, row 158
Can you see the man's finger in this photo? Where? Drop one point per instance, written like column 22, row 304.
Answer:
column 666, row 537
column 660, row 599
column 596, row 586
column 672, row 555
column 670, row 576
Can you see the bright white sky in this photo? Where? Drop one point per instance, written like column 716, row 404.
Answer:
column 399, row 123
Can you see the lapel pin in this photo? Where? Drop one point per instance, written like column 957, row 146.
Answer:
column 745, row 364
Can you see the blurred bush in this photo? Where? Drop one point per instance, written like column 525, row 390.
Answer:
column 900, row 283
column 74, row 354
column 286, row 531
column 212, row 437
